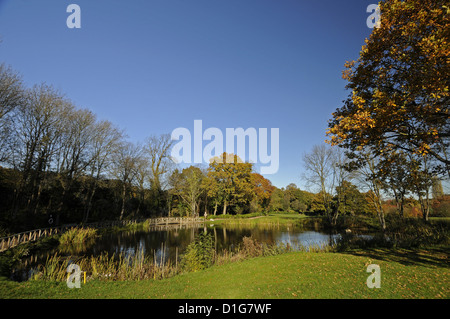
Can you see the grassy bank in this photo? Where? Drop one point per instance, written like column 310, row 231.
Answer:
column 404, row 274
column 266, row 219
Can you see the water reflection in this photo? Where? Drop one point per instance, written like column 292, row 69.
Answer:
column 167, row 244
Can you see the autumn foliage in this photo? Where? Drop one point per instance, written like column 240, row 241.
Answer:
column 399, row 86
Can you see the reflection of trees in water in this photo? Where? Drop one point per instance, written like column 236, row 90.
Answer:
column 172, row 242
column 165, row 244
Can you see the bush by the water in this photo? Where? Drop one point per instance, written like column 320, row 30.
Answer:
column 199, row 254
column 77, row 236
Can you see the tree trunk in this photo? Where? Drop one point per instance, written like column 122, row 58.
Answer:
column 89, row 206
column 224, row 208
column 380, row 214
column 124, row 191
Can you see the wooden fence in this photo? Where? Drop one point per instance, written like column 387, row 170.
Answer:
column 33, row 235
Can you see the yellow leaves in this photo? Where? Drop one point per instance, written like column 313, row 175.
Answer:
column 423, row 149
column 358, row 100
column 364, row 49
column 349, row 64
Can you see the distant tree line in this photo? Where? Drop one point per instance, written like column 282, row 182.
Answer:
column 61, row 164
column 349, row 184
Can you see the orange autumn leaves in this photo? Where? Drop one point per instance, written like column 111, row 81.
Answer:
column 400, row 83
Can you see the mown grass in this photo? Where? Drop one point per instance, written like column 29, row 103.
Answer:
column 291, row 275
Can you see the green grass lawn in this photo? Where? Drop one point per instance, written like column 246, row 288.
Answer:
column 404, row 274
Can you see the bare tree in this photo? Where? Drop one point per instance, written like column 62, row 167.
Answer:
column 12, row 95
column 74, row 154
column 319, row 167
column 38, row 131
column 106, row 141
column 368, row 177
column 342, row 174
column 189, row 186
column 124, row 169
column 326, row 168
column 158, row 150
column 142, row 173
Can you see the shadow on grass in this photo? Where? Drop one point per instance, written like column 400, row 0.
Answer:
column 427, row 257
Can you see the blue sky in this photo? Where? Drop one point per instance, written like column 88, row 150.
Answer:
column 151, row 66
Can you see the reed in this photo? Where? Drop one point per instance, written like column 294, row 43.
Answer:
column 77, row 235
column 251, row 248
column 139, row 266
column 106, row 267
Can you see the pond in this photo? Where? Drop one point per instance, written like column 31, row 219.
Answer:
column 167, row 244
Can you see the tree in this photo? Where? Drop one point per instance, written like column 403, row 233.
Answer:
column 157, row 149
column 189, row 186
column 319, row 166
column 277, row 199
column 367, row 172
column 395, row 174
column 352, row 200
column 106, row 141
column 325, row 168
column 74, row 153
column 38, row 128
column 295, row 199
column 399, row 89
column 142, row 173
column 124, row 170
column 231, row 181
column 437, row 189
column 158, row 152
column 11, row 97
column 263, row 189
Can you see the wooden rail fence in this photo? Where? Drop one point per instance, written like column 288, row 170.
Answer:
column 33, row 235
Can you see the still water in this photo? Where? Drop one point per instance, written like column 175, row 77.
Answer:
column 167, row 244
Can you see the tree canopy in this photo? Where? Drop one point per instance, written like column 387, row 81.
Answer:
column 399, row 86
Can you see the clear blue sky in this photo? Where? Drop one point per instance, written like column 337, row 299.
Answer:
column 150, row 66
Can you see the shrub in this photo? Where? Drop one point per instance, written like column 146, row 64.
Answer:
column 199, row 254
column 251, row 247
column 77, row 236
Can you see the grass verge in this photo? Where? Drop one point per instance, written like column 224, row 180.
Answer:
column 404, row 275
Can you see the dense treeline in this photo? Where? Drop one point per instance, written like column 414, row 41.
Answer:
column 62, row 164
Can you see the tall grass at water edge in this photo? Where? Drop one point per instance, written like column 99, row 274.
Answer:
column 139, row 266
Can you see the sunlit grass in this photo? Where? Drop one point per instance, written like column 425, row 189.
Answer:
column 287, row 276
